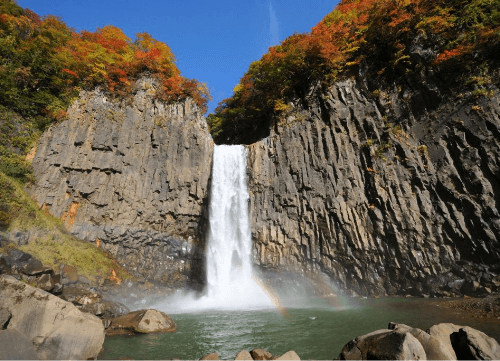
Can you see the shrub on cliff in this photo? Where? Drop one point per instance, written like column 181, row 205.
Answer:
column 387, row 39
column 44, row 64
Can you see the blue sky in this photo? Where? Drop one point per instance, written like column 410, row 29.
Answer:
column 213, row 41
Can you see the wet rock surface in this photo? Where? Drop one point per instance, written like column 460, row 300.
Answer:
column 389, row 194
column 131, row 176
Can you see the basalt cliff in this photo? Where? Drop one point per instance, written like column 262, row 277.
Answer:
column 382, row 208
column 132, row 176
column 386, row 192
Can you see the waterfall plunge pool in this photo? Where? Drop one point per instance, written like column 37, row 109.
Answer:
column 318, row 332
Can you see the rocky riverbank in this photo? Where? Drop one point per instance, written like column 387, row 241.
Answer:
column 56, row 314
column 41, row 325
column 487, row 307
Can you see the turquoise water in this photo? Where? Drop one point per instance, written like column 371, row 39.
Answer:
column 314, row 333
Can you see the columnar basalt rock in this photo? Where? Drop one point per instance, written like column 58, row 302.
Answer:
column 131, row 175
column 387, row 193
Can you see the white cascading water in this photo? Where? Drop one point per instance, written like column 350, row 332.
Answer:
column 229, row 267
column 230, row 282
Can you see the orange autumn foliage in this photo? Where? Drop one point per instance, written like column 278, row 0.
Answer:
column 376, row 35
column 43, row 64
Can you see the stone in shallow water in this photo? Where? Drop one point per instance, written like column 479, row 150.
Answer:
column 243, row 355
column 290, row 355
column 261, row 354
column 211, row 356
column 142, row 321
column 384, row 345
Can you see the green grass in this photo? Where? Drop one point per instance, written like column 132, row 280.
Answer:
column 49, row 241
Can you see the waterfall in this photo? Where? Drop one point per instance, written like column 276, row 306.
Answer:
column 229, row 266
column 230, row 281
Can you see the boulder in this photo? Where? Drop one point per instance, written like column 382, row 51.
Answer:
column 442, row 332
column 80, row 296
column 243, row 355
column 16, row 346
column 434, row 348
column 290, row 355
column 25, row 263
column 142, row 321
column 34, row 267
column 24, row 266
column 56, row 327
column 46, row 282
column 261, row 354
column 471, row 344
column 92, row 302
column 384, row 345
column 19, row 258
column 211, row 356
column 106, row 309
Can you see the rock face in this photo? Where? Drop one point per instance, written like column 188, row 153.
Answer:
column 133, row 177
column 387, row 193
column 56, row 328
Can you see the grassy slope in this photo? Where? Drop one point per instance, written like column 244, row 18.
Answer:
column 49, row 242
